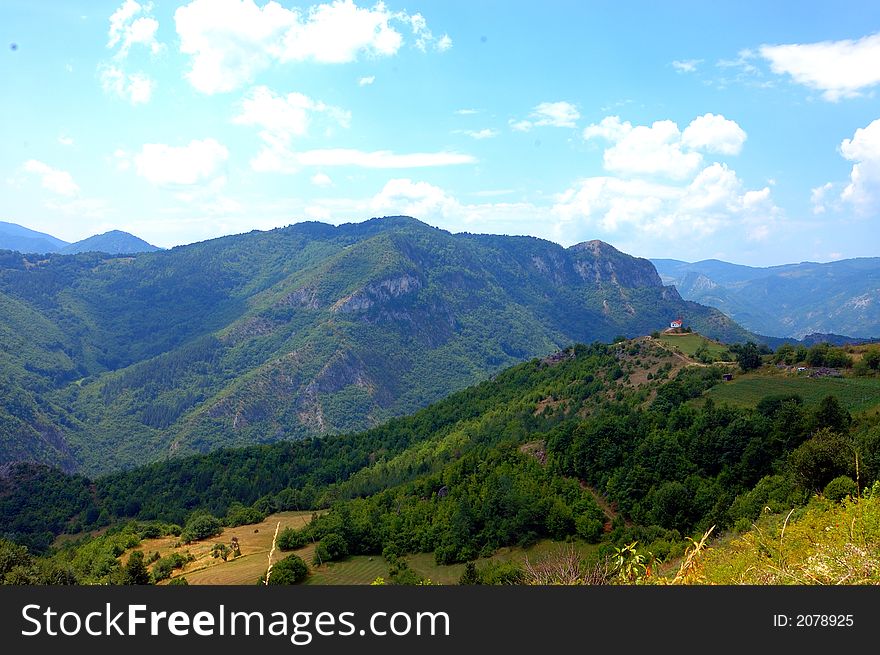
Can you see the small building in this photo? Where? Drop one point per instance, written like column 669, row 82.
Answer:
column 676, row 323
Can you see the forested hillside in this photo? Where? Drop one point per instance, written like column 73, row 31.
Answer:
column 306, row 330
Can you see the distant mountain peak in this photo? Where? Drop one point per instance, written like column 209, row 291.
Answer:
column 114, row 242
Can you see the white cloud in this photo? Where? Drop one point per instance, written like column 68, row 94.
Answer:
column 817, row 197
column 321, row 179
column 466, row 112
column 120, row 20
column 230, row 41
column 662, row 149
column 403, row 196
column 839, row 69
column 65, row 140
column 686, row 66
column 609, row 128
column 284, row 116
column 424, row 37
column 715, row 199
column 195, row 163
column 52, row 179
column 548, row 114
column 126, row 31
column 652, row 150
column 863, row 190
column 485, row 133
column 714, row 133
column 366, row 81
column 137, row 88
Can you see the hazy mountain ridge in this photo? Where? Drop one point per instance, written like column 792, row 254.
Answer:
column 793, row 300
column 115, row 242
column 309, row 329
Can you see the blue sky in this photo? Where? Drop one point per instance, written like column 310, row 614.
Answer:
column 746, row 131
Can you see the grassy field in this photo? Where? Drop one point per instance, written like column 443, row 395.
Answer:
column 688, row 344
column 357, row 570
column 856, row 394
column 254, row 541
column 828, row 543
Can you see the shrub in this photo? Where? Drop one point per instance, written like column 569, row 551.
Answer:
column 331, row 548
column 288, row 571
column 240, row 515
column 588, row 528
column 841, row 487
column 291, row 539
column 199, row 527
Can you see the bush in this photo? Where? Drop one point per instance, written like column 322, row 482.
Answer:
column 501, row 573
column 840, row 488
column 291, row 539
column 291, row 570
column 240, row 515
column 588, row 528
column 331, row 548
column 165, row 566
column 200, row 527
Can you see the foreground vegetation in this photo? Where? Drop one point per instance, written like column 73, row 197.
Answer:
column 599, row 446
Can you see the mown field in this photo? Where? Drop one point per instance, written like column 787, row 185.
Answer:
column 254, row 540
column 688, row 344
column 856, row 394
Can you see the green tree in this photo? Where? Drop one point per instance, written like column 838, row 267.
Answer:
column 748, row 355
column 832, row 415
column 470, row 576
column 820, row 459
column 135, row 571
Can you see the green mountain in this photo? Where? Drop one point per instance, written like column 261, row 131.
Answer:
column 114, row 242
column 793, row 300
column 300, row 331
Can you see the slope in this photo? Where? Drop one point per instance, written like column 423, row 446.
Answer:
column 22, row 239
column 315, row 329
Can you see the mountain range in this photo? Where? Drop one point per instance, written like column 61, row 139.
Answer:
column 115, row 242
column 111, row 362
column 793, row 300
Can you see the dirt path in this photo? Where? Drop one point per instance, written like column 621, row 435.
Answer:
column 608, row 509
